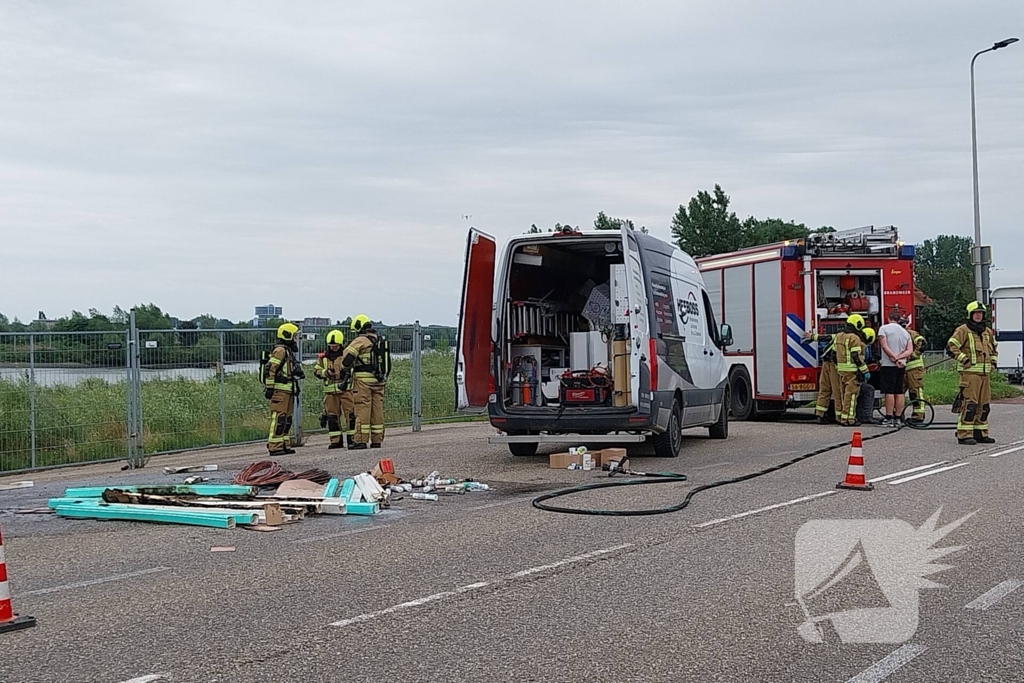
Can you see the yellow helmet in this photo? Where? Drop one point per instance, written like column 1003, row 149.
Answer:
column 335, row 337
column 976, row 306
column 287, row 331
column 857, row 320
column 869, row 335
column 359, row 322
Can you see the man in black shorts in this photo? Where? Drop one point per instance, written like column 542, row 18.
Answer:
column 897, row 346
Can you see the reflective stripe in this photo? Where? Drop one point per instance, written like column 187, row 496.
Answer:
column 5, row 591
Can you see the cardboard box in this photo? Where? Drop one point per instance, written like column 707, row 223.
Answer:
column 611, row 454
column 561, row 461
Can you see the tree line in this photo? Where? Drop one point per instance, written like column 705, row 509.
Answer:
column 705, row 226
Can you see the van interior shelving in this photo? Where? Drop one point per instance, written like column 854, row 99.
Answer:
column 556, row 325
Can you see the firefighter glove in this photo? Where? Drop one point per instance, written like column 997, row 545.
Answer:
column 268, row 393
column 298, row 372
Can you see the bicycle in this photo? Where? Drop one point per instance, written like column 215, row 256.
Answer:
column 920, row 406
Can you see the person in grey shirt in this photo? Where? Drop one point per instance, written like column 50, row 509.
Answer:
column 897, row 346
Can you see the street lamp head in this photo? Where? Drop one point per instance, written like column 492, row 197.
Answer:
column 1004, row 43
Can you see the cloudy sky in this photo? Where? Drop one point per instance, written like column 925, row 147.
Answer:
column 322, row 156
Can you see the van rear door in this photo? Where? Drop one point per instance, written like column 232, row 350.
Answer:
column 639, row 325
column 474, row 343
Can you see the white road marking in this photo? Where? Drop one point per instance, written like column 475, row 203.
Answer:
column 412, row 603
column 93, row 582
column 995, row 595
column 477, row 586
column 926, row 474
column 764, row 509
column 148, row 679
column 1008, row 450
column 887, row 666
column 914, row 469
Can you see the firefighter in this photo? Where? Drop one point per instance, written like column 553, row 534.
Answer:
column 866, row 393
column 281, row 374
column 913, row 378
column 337, row 383
column 370, row 363
column 974, row 346
column 850, row 353
column 828, row 377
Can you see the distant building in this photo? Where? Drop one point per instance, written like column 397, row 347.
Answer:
column 316, row 322
column 266, row 313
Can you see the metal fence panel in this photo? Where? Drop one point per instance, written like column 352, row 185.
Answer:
column 62, row 398
column 72, row 397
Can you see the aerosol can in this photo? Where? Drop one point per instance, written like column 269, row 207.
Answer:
column 424, row 496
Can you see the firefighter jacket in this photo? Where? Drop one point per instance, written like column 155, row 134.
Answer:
column 280, row 370
column 358, row 357
column 916, row 358
column 974, row 352
column 335, row 376
column 850, row 353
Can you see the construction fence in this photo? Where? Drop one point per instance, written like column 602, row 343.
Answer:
column 74, row 397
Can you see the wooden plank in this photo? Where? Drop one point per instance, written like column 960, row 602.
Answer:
column 17, row 485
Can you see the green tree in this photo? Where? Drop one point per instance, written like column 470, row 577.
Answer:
column 706, row 226
column 606, row 222
column 943, row 271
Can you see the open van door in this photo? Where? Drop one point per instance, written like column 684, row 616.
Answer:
column 639, row 324
column 473, row 344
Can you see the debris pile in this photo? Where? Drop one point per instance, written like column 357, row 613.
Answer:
column 579, row 458
column 243, row 504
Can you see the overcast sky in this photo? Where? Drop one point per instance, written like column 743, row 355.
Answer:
column 212, row 156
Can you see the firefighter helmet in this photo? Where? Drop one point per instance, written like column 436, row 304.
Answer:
column 974, row 307
column 287, row 332
column 869, row 335
column 857, row 320
column 335, row 337
column 359, row 322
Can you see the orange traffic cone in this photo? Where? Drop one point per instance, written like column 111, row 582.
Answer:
column 9, row 621
column 855, row 469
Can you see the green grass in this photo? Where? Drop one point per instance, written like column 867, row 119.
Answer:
column 941, row 387
column 86, row 422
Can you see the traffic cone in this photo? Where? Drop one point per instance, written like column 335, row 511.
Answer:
column 855, row 469
column 9, row 621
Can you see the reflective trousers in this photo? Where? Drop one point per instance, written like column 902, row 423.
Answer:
column 913, row 382
column 368, row 401
column 850, row 391
column 828, row 388
column 282, row 407
column 977, row 394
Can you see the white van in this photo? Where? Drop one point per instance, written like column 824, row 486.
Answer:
column 597, row 337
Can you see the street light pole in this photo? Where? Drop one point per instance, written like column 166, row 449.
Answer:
column 980, row 291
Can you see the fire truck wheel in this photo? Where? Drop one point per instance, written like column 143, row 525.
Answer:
column 669, row 443
column 741, row 392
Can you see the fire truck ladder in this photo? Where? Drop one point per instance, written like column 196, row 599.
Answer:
column 867, row 240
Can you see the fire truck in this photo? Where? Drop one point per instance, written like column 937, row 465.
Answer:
column 771, row 295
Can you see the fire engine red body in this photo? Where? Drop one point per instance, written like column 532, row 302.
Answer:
column 771, row 295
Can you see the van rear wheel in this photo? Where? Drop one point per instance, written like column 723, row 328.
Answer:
column 669, row 443
column 720, row 430
column 522, row 450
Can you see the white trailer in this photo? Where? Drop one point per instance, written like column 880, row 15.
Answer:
column 1008, row 324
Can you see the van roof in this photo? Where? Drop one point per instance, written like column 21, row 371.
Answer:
column 647, row 242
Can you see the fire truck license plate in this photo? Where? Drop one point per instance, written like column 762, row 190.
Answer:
column 803, row 387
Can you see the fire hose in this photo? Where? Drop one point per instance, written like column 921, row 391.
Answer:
column 269, row 473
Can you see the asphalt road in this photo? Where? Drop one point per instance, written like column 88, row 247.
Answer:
column 485, row 587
